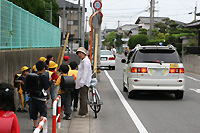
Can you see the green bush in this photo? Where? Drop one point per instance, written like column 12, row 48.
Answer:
column 137, row 39
column 154, row 42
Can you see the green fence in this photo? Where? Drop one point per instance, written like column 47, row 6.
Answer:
column 21, row 29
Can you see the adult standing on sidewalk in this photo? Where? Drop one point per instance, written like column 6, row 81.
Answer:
column 83, row 80
column 113, row 50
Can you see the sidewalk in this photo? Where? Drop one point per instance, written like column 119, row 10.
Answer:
column 76, row 124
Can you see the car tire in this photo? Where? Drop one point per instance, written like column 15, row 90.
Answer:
column 124, row 88
column 179, row 95
column 131, row 95
column 113, row 68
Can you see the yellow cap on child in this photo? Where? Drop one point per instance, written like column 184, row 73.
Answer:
column 24, row 68
column 42, row 59
column 52, row 64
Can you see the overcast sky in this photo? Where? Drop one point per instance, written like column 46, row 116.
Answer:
column 127, row 11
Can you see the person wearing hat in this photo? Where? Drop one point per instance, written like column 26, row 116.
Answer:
column 34, row 70
column 83, row 80
column 66, row 62
column 54, row 77
column 65, row 95
column 25, row 71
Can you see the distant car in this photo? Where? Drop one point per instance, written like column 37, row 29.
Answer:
column 107, row 59
column 153, row 68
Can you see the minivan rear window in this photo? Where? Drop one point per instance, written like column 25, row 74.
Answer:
column 156, row 55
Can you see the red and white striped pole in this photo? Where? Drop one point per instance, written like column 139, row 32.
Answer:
column 42, row 124
column 56, row 119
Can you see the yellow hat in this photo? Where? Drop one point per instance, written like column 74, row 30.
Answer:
column 52, row 64
column 42, row 59
column 24, row 68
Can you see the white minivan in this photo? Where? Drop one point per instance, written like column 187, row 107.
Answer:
column 153, row 68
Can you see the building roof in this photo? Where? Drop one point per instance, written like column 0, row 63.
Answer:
column 68, row 5
column 146, row 20
column 195, row 24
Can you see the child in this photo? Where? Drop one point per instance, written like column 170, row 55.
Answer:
column 38, row 99
column 34, row 70
column 54, row 77
column 22, row 79
column 8, row 120
column 65, row 95
column 74, row 72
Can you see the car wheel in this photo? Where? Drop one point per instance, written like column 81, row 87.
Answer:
column 113, row 68
column 179, row 95
column 131, row 95
column 124, row 88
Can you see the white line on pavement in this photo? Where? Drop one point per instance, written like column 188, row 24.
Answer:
column 192, row 78
column 195, row 90
column 130, row 111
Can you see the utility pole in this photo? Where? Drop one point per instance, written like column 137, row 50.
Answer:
column 51, row 13
column 118, row 27
column 152, row 8
column 83, row 24
column 195, row 12
column 64, row 22
column 79, row 20
column 86, row 24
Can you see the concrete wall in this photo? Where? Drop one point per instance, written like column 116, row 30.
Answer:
column 192, row 63
column 12, row 60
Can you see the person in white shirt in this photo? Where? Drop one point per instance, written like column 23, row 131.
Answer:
column 83, row 80
column 113, row 50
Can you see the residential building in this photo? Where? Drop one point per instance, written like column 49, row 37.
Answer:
column 125, row 29
column 71, row 20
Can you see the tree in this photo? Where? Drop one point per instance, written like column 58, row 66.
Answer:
column 37, row 8
column 137, row 39
column 161, row 27
column 109, row 40
column 143, row 31
column 119, row 41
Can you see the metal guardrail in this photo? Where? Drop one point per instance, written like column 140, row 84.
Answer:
column 20, row 29
column 56, row 118
column 42, row 125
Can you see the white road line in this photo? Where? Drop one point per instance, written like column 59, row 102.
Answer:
column 192, row 78
column 130, row 111
column 195, row 90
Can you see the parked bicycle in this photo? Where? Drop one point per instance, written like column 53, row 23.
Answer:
column 94, row 99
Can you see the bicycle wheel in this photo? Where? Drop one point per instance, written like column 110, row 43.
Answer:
column 98, row 105
column 95, row 110
column 90, row 99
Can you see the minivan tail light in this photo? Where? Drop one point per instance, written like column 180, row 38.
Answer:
column 134, row 70
column 142, row 70
column 112, row 58
column 181, row 70
column 138, row 70
column 176, row 70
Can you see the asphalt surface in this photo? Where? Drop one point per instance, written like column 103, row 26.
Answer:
column 158, row 112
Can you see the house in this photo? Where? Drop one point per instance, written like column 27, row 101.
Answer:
column 125, row 29
column 105, row 32
column 144, row 22
column 71, row 20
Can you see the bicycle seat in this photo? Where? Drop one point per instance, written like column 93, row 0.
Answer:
column 93, row 82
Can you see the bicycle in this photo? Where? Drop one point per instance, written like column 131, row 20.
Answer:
column 94, row 100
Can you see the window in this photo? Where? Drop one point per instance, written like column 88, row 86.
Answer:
column 73, row 22
column 106, row 52
column 156, row 55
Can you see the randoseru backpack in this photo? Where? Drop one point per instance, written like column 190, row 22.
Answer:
column 67, row 83
column 6, row 122
column 34, row 83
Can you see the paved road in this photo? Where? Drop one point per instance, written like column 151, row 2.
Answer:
column 158, row 113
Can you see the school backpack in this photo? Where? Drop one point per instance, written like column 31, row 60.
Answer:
column 67, row 83
column 34, row 83
column 6, row 122
column 15, row 81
